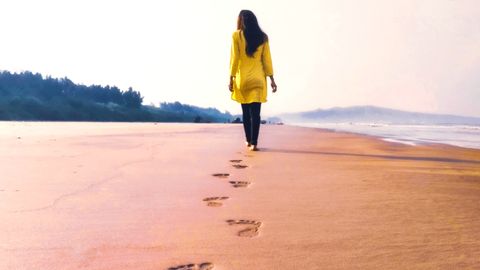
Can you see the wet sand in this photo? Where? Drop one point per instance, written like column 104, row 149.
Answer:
column 190, row 196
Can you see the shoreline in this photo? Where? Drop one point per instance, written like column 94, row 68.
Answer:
column 391, row 139
column 387, row 139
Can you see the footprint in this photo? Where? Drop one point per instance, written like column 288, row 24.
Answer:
column 193, row 266
column 239, row 184
column 235, row 160
column 221, row 175
column 252, row 229
column 239, row 166
column 215, row 201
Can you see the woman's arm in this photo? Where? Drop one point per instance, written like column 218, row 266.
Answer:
column 230, row 85
column 267, row 60
column 267, row 65
column 234, row 55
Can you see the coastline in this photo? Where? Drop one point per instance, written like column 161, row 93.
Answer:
column 143, row 196
column 399, row 138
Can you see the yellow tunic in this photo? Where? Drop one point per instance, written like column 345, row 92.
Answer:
column 250, row 83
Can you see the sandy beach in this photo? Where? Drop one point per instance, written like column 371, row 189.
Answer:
column 190, row 196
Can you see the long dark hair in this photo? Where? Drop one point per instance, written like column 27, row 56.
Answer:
column 247, row 22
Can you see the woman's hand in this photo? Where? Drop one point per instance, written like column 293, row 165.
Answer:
column 273, row 84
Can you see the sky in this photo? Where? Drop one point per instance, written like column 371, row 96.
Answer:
column 416, row 55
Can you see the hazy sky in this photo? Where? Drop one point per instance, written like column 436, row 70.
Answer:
column 420, row 55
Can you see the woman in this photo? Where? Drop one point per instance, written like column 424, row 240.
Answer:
column 250, row 64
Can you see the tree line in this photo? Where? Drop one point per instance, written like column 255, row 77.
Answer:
column 31, row 96
column 28, row 84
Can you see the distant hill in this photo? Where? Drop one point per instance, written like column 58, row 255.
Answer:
column 372, row 114
column 33, row 97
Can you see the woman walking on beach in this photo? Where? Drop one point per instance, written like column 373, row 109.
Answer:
column 250, row 64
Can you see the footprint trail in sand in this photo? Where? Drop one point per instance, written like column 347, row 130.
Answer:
column 239, row 184
column 252, row 227
column 221, row 175
column 215, row 201
column 193, row 266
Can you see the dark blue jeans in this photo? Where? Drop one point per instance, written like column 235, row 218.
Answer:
column 251, row 121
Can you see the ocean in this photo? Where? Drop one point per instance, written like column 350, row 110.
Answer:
column 457, row 135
